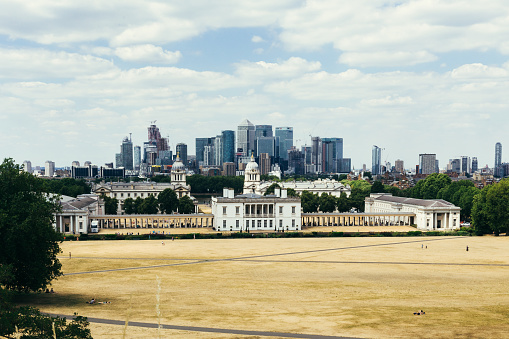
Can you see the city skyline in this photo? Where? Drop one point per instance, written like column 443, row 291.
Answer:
column 411, row 77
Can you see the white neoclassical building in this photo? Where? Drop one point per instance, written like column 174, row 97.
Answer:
column 254, row 212
column 430, row 215
column 328, row 186
column 74, row 215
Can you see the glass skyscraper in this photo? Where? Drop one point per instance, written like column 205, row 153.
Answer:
column 285, row 135
column 228, row 145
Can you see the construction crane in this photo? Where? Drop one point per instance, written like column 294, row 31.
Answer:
column 153, row 122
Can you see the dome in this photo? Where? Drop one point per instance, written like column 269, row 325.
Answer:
column 252, row 165
column 178, row 165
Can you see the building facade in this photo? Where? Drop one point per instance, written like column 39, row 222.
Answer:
column 376, row 160
column 430, row 215
column 427, row 163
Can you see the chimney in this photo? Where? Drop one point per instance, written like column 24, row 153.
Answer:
column 231, row 193
column 225, row 192
column 284, row 194
column 277, row 192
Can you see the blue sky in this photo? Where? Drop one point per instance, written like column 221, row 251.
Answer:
column 413, row 77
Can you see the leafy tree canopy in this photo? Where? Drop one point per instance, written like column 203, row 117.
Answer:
column 271, row 189
column 29, row 244
column 186, row 205
column 168, row 201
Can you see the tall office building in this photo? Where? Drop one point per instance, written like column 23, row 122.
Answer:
column 200, row 148
column 228, row 145
column 49, row 168
column 285, row 135
column 181, row 150
column 376, row 160
column 475, row 165
column 497, row 170
column 266, row 145
column 296, row 162
column 118, row 160
column 126, row 152
column 27, row 166
column 465, row 164
column 332, row 151
column 246, row 138
column 137, row 157
column 427, row 163
column 263, row 131
column 218, row 150
column 316, row 153
column 454, row 165
column 400, row 166
column 264, row 159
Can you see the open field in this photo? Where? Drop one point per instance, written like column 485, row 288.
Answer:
column 354, row 287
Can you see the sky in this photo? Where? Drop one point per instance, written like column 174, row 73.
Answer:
column 412, row 77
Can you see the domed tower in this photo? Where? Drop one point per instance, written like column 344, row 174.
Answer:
column 178, row 172
column 251, row 177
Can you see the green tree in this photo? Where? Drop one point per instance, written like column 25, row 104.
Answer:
column 137, row 205
column 129, row 206
column 342, row 203
column 271, row 189
column 377, row 187
column 30, row 323
column 149, row 205
column 309, row 202
column 327, row 203
column 291, row 192
column 480, row 213
column 110, row 204
column 498, row 208
column 428, row 188
column 29, row 244
column 168, row 201
column 186, row 205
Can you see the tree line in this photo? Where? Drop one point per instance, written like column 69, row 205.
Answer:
column 166, row 202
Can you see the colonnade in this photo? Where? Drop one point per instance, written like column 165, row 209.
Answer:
column 154, row 221
column 357, row 219
column 259, row 211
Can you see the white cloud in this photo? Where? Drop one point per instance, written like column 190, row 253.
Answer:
column 40, row 63
column 257, row 39
column 148, row 53
column 386, row 58
column 262, row 70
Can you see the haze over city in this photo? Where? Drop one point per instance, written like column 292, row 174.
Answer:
column 409, row 76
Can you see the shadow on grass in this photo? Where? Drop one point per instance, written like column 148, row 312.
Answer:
column 48, row 299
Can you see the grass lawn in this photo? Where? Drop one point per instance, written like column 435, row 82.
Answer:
column 358, row 287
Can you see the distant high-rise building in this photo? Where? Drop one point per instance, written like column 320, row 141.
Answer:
column 332, row 151
column 399, row 165
column 75, row 163
column 266, row 145
column 465, row 164
column 455, row 165
column 475, row 165
column 296, row 162
column 376, row 160
column 498, row 171
column 229, row 168
column 344, row 165
column 27, row 166
column 49, row 168
column 118, row 160
column 316, row 153
column 126, row 152
column 200, row 148
column 285, row 135
column 264, row 159
column 246, row 138
column 427, row 163
column 263, row 131
column 218, row 150
column 181, row 150
column 228, row 146
column 137, row 157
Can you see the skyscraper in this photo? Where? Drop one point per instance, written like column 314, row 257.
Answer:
column 332, row 151
column 218, row 150
column 200, row 148
column 264, row 163
column 400, row 167
column 246, row 138
column 285, row 135
column 427, row 163
column 316, row 153
column 126, row 151
column 465, row 164
column 498, row 155
column 228, row 145
column 475, row 165
column 137, row 157
column 181, row 150
column 27, row 166
column 376, row 160
column 49, row 168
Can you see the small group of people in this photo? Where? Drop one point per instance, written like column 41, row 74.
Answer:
column 421, row 312
column 92, row 301
column 49, row 291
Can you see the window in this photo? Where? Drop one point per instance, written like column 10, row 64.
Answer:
column 265, row 223
column 121, row 195
column 224, row 210
column 224, row 223
column 81, row 225
column 270, row 223
column 293, row 222
column 247, row 223
column 237, row 223
column 128, row 194
column 135, row 194
column 280, row 209
column 281, row 223
column 253, row 224
column 259, row 223
column 142, row 195
column 293, row 209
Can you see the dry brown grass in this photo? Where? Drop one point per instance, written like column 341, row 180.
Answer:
column 368, row 291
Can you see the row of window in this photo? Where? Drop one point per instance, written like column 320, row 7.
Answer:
column 121, row 195
column 237, row 210
column 258, row 223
